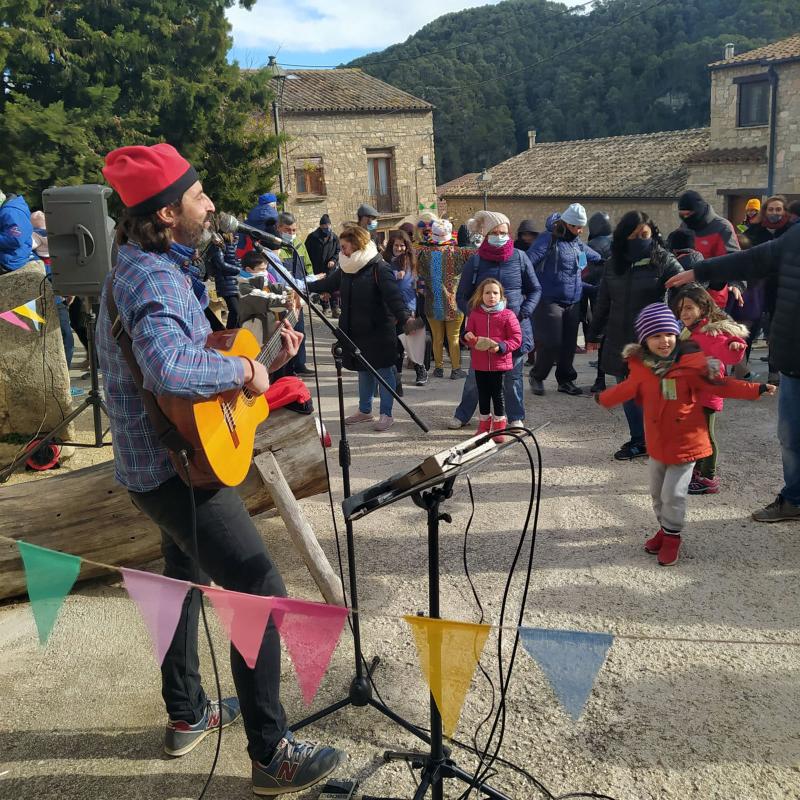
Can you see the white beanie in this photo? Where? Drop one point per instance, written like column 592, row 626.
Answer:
column 575, row 215
column 441, row 231
column 484, row 221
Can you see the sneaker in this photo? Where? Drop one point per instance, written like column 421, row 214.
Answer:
column 653, row 544
column 516, row 423
column 181, row 737
column 455, row 424
column 295, row 766
column 536, row 386
column 569, row 387
column 438, row 372
column 701, row 485
column 484, row 425
column 499, row 424
column 670, row 547
column 384, row 423
column 598, row 386
column 422, row 375
column 629, row 451
column 455, row 374
column 359, row 416
column 779, row 510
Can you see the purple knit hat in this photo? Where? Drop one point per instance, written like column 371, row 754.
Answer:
column 656, row 318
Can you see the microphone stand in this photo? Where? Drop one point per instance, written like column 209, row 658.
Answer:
column 360, row 691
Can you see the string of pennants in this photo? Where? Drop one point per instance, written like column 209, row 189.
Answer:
column 27, row 311
column 448, row 650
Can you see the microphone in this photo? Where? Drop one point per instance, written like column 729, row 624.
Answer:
column 227, row 223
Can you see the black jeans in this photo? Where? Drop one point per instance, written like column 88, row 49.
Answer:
column 555, row 330
column 233, row 555
column 490, row 392
column 233, row 311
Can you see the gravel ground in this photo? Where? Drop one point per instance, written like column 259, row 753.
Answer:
column 666, row 719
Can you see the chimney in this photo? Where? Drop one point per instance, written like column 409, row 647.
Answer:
column 729, row 51
column 531, row 138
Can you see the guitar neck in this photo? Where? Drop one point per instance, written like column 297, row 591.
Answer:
column 270, row 350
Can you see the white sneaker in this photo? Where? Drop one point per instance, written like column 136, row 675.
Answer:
column 359, row 416
column 455, row 424
column 383, row 423
column 516, row 423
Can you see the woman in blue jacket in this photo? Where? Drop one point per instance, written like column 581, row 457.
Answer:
column 558, row 257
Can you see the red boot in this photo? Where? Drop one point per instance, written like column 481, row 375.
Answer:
column 499, row 424
column 484, row 425
column 653, row 544
column 668, row 554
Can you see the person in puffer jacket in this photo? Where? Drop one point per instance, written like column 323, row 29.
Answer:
column 16, row 234
column 559, row 258
column 493, row 334
column 224, row 267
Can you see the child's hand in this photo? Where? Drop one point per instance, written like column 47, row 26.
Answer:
column 470, row 337
column 737, row 346
column 400, row 274
column 495, row 349
column 485, row 343
column 770, row 389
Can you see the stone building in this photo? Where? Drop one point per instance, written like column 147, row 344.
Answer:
column 352, row 138
column 755, row 98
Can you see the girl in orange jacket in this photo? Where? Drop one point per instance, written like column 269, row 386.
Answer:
column 667, row 377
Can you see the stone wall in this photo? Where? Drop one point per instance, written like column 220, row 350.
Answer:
column 460, row 209
column 342, row 141
column 34, row 380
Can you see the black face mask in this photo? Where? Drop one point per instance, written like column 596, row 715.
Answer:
column 638, row 249
column 569, row 236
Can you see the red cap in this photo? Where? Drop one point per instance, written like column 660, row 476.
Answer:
column 148, row 178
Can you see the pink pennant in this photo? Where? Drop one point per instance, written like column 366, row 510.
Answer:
column 310, row 632
column 159, row 600
column 10, row 316
column 245, row 617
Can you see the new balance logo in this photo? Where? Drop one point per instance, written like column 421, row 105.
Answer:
column 287, row 771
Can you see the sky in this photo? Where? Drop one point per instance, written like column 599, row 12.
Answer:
column 330, row 32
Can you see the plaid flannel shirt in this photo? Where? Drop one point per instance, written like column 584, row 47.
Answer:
column 166, row 321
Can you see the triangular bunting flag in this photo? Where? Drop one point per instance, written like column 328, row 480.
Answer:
column 29, row 310
column 160, row 601
column 448, row 654
column 310, row 632
column 570, row 660
column 50, row 576
column 10, row 316
column 245, row 618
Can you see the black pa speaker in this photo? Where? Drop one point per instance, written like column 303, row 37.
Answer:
column 79, row 237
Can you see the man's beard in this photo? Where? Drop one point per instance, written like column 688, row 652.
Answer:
column 191, row 234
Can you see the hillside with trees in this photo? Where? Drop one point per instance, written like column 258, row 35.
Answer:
column 607, row 68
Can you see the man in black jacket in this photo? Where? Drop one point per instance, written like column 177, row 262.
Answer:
column 778, row 259
column 322, row 245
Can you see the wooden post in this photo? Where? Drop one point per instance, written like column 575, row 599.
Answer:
column 302, row 534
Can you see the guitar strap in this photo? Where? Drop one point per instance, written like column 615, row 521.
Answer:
column 166, row 433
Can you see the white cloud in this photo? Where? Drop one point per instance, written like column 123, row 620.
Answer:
column 322, row 25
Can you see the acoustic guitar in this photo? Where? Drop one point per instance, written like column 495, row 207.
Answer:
column 222, row 429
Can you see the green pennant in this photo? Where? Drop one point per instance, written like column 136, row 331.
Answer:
column 50, row 576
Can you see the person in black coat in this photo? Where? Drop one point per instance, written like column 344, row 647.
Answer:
column 322, row 245
column 223, row 266
column 634, row 277
column 526, row 235
column 371, row 305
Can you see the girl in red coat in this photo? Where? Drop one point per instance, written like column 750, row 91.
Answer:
column 720, row 338
column 667, row 378
column 492, row 333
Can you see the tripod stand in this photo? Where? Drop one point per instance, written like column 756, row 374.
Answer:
column 360, row 690
column 92, row 400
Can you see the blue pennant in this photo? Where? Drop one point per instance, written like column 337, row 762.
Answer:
column 570, row 660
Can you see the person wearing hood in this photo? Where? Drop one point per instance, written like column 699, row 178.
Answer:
column 322, row 245
column 498, row 259
column 526, row 235
column 16, row 234
column 600, row 241
column 559, row 258
column 714, row 235
column 372, row 304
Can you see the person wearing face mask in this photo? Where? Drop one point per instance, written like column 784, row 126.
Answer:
column 559, row 258
column 714, row 235
column 750, row 214
column 793, row 209
column 634, row 277
column 322, row 245
column 368, row 218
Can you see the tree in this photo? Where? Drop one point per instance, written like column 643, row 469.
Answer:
column 83, row 77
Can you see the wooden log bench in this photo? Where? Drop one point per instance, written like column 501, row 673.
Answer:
column 87, row 513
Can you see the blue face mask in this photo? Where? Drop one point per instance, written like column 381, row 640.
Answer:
column 498, row 240
column 501, row 304
column 371, row 226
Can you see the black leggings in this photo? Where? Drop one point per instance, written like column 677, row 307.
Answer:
column 490, row 392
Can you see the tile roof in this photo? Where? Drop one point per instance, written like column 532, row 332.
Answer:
column 644, row 165
column 729, row 155
column 335, row 90
column 783, row 50
column 465, row 180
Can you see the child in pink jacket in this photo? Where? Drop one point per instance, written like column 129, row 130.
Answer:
column 720, row 338
column 492, row 333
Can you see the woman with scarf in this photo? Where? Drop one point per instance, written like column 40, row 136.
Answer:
column 634, row 277
column 371, row 304
column 497, row 258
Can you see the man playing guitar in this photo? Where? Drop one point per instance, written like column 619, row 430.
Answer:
column 160, row 299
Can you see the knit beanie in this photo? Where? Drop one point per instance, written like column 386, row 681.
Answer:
column 753, row 204
column 485, row 221
column 527, row 226
column 324, row 220
column 574, row 215
column 656, row 318
column 692, row 201
column 441, row 231
column 267, row 199
column 148, row 178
